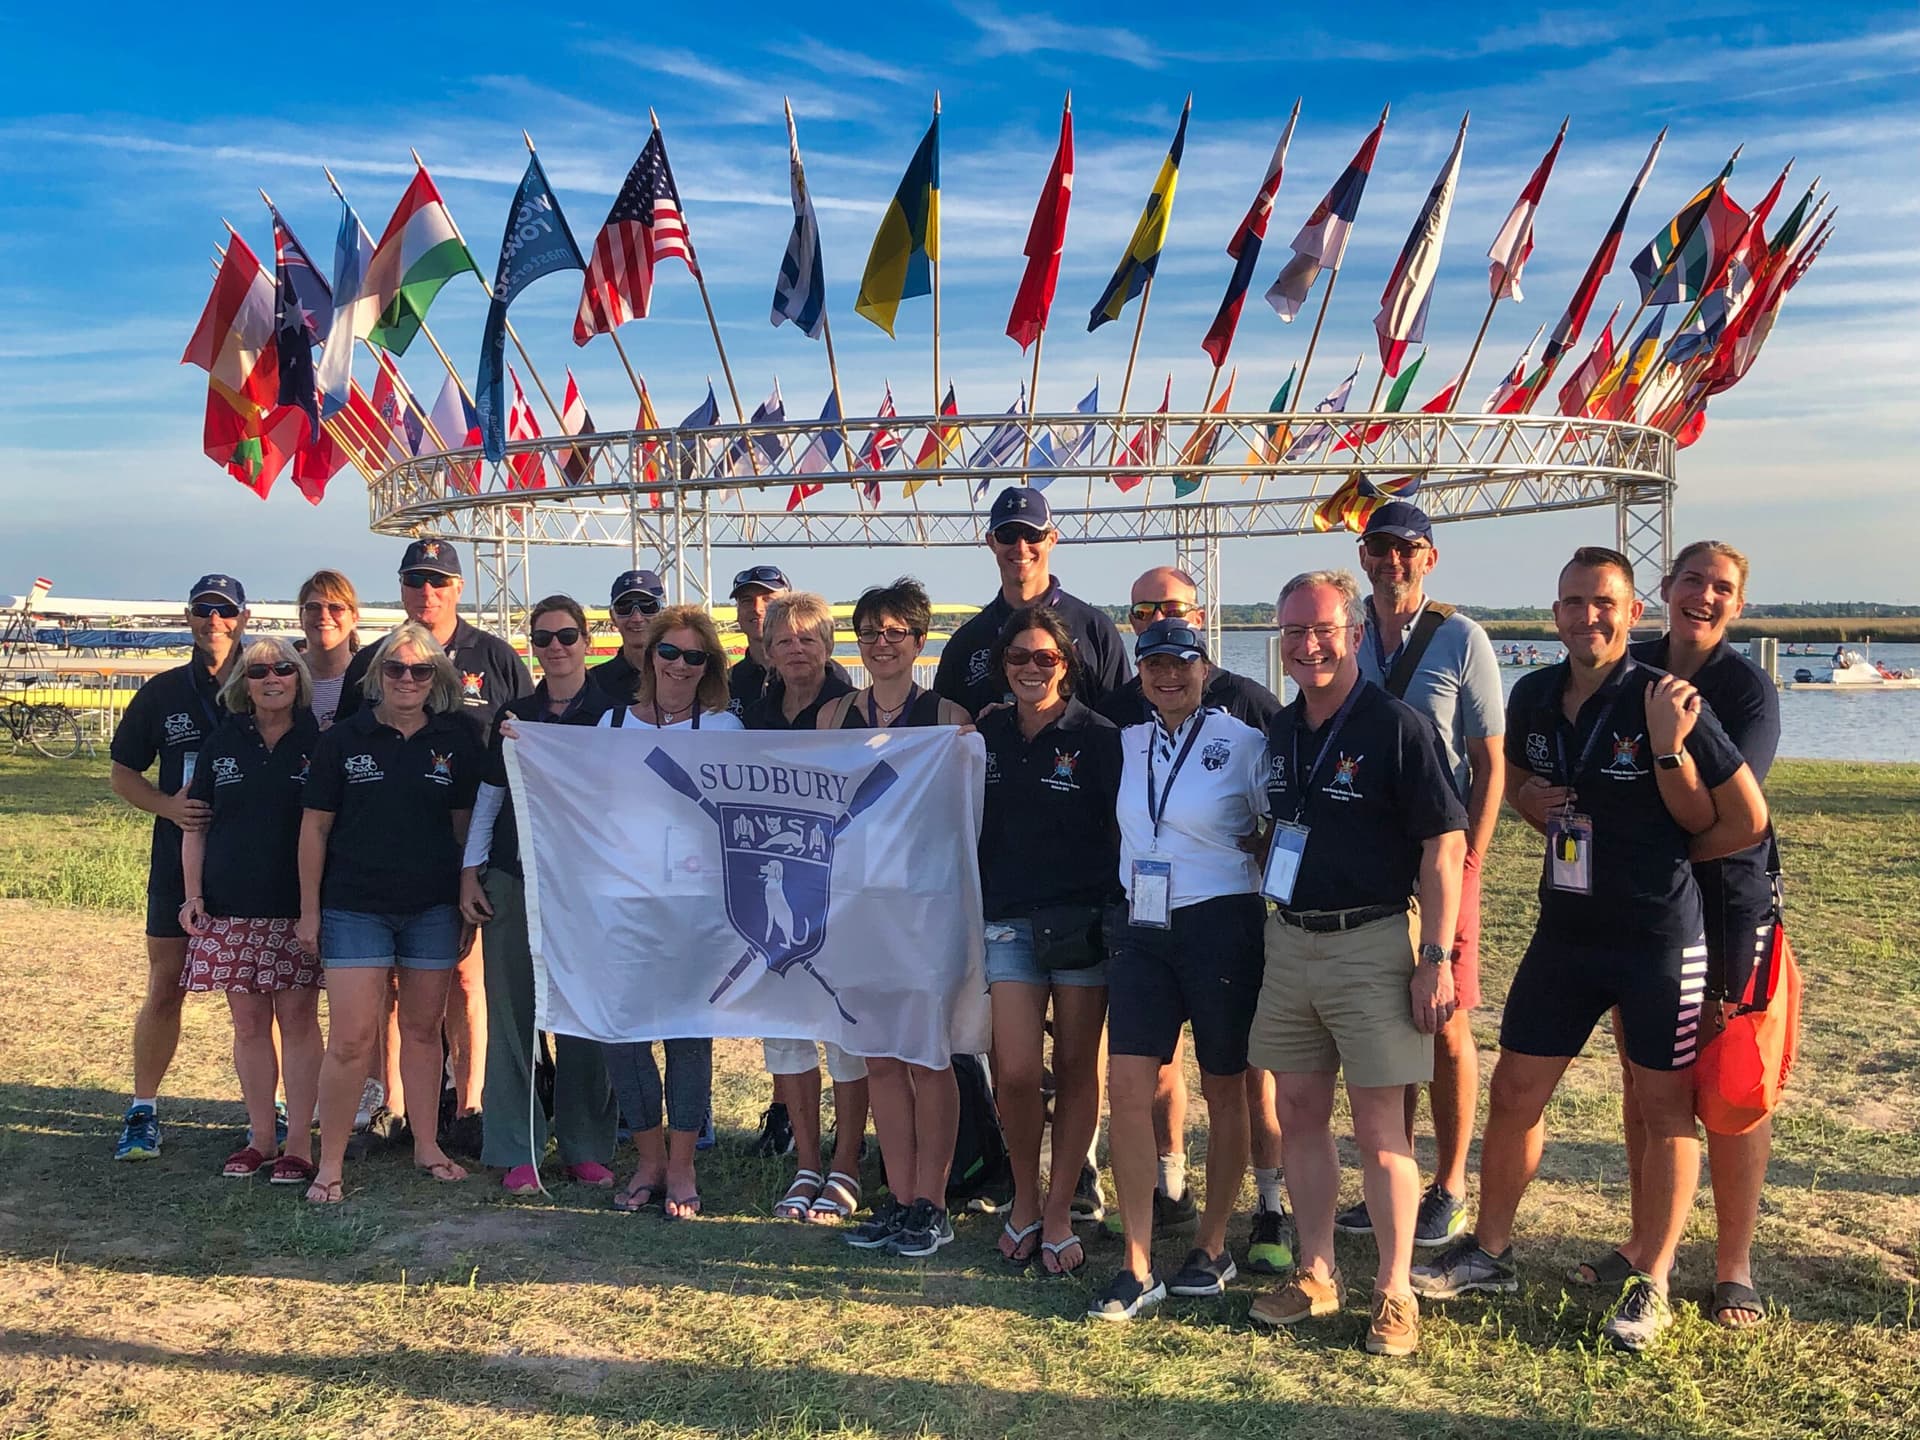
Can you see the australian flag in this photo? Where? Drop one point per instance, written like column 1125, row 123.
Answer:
column 537, row 243
column 302, row 316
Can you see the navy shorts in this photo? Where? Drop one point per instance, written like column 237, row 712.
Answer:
column 163, row 911
column 1563, row 988
column 1206, row 969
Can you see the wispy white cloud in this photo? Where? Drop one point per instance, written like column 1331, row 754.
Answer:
column 1032, row 33
column 840, row 63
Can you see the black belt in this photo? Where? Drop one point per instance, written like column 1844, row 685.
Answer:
column 1326, row 922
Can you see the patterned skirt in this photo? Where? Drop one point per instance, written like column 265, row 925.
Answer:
column 255, row 957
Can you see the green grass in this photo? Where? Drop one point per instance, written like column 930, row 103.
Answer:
column 161, row 1300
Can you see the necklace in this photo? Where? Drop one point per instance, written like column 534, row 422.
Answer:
column 663, row 716
column 878, row 718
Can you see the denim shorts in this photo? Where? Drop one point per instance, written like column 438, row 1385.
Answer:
column 418, row 940
column 1010, row 958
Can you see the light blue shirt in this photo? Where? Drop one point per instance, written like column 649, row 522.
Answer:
column 1456, row 685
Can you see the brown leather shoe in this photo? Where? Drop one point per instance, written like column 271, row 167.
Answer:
column 1301, row 1298
column 1395, row 1329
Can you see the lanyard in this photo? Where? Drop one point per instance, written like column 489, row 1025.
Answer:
column 1379, row 645
column 1157, row 807
column 1566, row 776
column 873, row 709
column 1305, row 782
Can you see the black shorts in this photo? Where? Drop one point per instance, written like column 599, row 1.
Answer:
column 163, row 911
column 1207, row 968
column 1562, row 989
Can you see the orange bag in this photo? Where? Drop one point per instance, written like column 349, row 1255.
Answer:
column 1739, row 1076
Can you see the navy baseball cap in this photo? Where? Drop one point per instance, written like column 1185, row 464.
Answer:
column 438, row 556
column 1171, row 637
column 1020, row 505
column 766, row 577
column 224, row 586
column 643, row 581
column 1400, row 519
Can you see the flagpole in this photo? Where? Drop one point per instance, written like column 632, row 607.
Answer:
column 406, row 392
column 1473, row 354
column 1326, row 298
column 706, row 300
column 933, row 266
column 1033, row 397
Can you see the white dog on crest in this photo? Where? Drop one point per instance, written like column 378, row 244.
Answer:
column 779, row 908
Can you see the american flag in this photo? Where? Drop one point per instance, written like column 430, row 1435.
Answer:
column 644, row 227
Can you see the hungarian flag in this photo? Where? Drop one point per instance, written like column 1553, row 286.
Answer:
column 1573, row 394
column 907, row 245
column 419, row 251
column 1202, row 443
column 1566, row 331
column 940, row 445
column 1046, row 237
column 1514, row 243
column 1135, row 270
column 1273, row 444
column 1402, row 319
column 1322, row 241
column 524, row 472
column 644, row 227
column 1244, row 250
column 1144, row 447
column 575, row 420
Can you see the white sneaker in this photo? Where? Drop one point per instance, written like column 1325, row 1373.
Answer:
column 373, row 1095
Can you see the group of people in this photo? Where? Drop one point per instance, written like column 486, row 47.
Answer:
column 1164, row 847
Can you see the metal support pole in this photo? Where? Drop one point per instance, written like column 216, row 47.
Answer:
column 1197, row 551
column 1643, row 529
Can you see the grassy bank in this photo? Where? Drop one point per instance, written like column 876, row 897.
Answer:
column 162, row 1300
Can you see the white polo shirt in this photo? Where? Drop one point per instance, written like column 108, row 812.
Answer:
column 1218, row 795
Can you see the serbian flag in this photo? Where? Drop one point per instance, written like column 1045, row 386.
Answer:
column 1573, row 394
column 1402, row 319
column 1046, row 236
column 941, row 442
column 1322, row 241
column 882, row 445
column 1566, row 331
column 1244, row 249
column 1514, row 243
column 524, row 472
column 575, row 420
column 1200, row 447
column 1144, row 447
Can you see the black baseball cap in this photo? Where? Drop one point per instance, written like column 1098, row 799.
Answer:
column 646, row 582
column 1400, row 519
column 1168, row 636
column 766, row 577
column 224, row 587
column 1021, row 505
column 438, row 556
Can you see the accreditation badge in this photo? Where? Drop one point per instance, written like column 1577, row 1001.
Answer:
column 1570, row 853
column 1150, row 894
column 188, row 763
column 1283, row 862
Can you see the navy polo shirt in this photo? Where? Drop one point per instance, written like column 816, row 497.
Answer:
column 1247, row 701
column 169, row 719
column 1383, row 791
column 613, row 678
column 584, row 709
column 491, row 673
column 1048, row 834
column 1643, row 887
column 392, row 849
column 766, row 714
column 963, row 677
column 252, row 863
column 749, row 682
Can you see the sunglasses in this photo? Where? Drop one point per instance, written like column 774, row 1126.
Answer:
column 892, row 634
column 1381, row 546
column 628, row 604
column 314, row 609
column 1044, row 659
column 695, row 658
column 426, row 579
column 210, row 609
column 768, row 575
column 282, row 668
column 1147, row 611
column 1011, row 535
column 567, row 635
column 420, row 672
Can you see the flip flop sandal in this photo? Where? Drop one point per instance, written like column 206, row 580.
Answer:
column 292, row 1170
column 1610, row 1271
column 1731, row 1297
column 442, row 1171
column 827, row 1207
column 1058, row 1248
column 1019, row 1238
column 324, row 1193
column 629, row 1200
column 244, row 1164
column 797, row 1206
column 689, row 1206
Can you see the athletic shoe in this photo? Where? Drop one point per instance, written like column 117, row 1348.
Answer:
column 1642, row 1314
column 139, row 1135
column 1354, row 1220
column 1169, row 1216
column 878, row 1231
column 1304, row 1297
column 1126, row 1298
column 1395, row 1326
column 1089, row 1203
column 706, row 1139
column 1464, row 1266
column 1442, row 1217
column 1204, row 1276
column 776, row 1133
column 925, row 1230
column 372, row 1096
column 1270, row 1247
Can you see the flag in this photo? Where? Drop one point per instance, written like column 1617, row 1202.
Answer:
column 941, row 444
column 882, row 445
column 1144, row 447
column 907, row 245
column 349, row 319
column 1046, row 236
column 1402, row 319
column 1274, row 443
column 575, row 420
column 1136, row 267
column 233, row 341
column 649, row 419
column 418, row 253
column 1244, row 250
column 1566, row 331
column 1063, row 446
column 1514, row 243
column 392, row 410
column 800, row 294
column 302, row 315
column 1789, row 230
column 1512, row 392
column 688, row 461
column 1609, row 398
column 1322, row 241
column 251, row 442
column 820, row 455
column 459, row 427
column 524, row 472
column 1005, row 443
column 1573, row 394
column 1202, row 443
column 1353, row 504
column 536, row 243
column 1335, row 403
column 770, row 411
column 644, row 227
column 319, row 458
column 1396, row 401
column 1659, row 267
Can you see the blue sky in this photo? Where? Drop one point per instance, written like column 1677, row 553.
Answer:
column 124, row 143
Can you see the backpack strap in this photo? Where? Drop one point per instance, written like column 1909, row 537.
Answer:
column 1408, row 660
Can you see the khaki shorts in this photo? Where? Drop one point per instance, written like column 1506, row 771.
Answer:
column 1340, row 1001
column 798, row 1057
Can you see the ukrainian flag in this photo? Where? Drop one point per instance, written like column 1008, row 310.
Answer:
column 900, row 265
column 1149, row 236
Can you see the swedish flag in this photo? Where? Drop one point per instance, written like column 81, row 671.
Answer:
column 900, row 266
column 1143, row 251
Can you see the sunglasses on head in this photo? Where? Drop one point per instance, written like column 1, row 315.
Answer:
column 259, row 670
column 1044, row 659
column 1146, row 611
column 429, row 579
column 628, row 604
column 210, row 609
column 768, row 575
column 1381, row 546
column 1014, row 534
column 695, row 658
column 566, row 635
column 314, row 609
column 420, row 671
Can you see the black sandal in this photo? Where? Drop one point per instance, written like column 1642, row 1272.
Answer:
column 1731, row 1297
column 1610, row 1270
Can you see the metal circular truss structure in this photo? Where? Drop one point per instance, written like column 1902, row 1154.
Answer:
column 1191, row 479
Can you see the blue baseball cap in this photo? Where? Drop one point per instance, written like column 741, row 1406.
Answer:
column 1169, row 636
column 1021, row 505
column 770, row 578
column 438, row 556
column 645, row 582
column 224, row 587
column 1401, row 520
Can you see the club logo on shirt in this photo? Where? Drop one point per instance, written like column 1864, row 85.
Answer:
column 471, row 685
column 226, row 771
column 300, row 775
column 1625, row 764
column 993, row 768
column 1215, row 754
column 977, row 666
column 1277, row 772
column 1064, row 768
column 1346, row 769
column 179, row 728
column 362, row 769
column 442, row 771
column 1537, row 755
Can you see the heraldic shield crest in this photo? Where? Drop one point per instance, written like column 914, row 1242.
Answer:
column 777, row 871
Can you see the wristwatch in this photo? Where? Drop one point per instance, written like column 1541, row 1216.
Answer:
column 1432, row 954
column 1671, row 762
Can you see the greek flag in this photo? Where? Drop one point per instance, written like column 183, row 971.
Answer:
column 800, row 294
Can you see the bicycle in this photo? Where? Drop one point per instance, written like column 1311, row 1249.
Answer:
column 48, row 727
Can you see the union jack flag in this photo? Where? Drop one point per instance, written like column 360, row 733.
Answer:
column 644, row 227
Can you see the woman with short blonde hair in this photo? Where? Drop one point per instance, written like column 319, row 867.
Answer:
column 444, row 698
column 329, row 617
